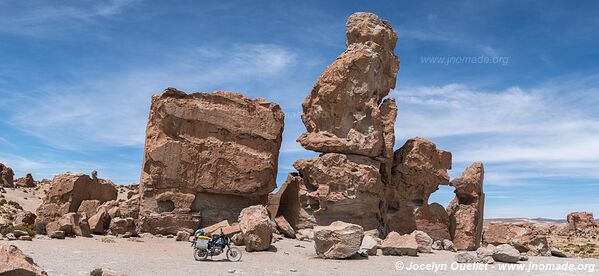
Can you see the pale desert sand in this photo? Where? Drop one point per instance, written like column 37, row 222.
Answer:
column 161, row 256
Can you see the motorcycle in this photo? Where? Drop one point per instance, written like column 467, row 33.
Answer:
column 204, row 247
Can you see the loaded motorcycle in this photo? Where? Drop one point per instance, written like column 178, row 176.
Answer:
column 204, row 246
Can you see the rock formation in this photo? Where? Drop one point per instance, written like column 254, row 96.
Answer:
column 418, row 170
column 26, row 181
column 524, row 236
column 256, row 228
column 14, row 262
column 67, row 191
column 581, row 222
column 207, row 153
column 348, row 120
column 6, row 176
column 466, row 209
column 339, row 240
column 398, row 245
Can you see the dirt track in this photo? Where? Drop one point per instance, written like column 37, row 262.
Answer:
column 161, row 256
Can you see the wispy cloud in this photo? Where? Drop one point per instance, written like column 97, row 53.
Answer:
column 543, row 132
column 112, row 109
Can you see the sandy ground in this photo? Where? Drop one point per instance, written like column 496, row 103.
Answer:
column 161, row 256
column 28, row 198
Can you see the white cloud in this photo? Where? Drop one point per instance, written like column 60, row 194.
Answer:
column 544, row 132
column 112, row 110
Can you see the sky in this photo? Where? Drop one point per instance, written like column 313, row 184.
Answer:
column 513, row 84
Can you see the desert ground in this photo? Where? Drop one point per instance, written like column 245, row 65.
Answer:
column 163, row 256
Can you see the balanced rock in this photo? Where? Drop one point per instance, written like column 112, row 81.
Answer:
column 339, row 240
column 418, row 170
column 396, row 244
column 467, row 208
column 207, row 153
column 6, row 176
column 342, row 113
column 256, row 228
column 67, row 192
column 14, row 262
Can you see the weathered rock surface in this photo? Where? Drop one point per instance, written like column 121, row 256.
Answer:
column 467, row 257
column 121, row 226
column 182, row 236
column 424, row 241
column 342, row 112
column 67, row 192
column 339, row 240
column 14, row 262
column 467, row 208
column 89, row 207
column 418, row 170
column 369, row 246
column 24, row 218
column 396, row 244
column 26, row 181
column 340, row 187
column 209, row 153
column 256, row 228
column 506, row 253
column 100, row 222
column 581, row 222
column 6, row 176
column 284, row 227
column 524, row 236
column 286, row 203
column 72, row 224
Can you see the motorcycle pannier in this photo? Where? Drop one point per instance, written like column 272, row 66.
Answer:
column 201, row 244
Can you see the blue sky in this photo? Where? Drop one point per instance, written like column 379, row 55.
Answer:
column 76, row 79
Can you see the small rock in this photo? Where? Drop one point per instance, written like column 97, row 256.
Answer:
column 506, row 253
column 437, row 245
column 368, row 247
column 293, row 270
column 299, row 245
column 467, row 257
column 57, row 235
column 448, row 245
column 108, row 239
column 183, row 236
column 488, row 260
column 231, row 270
column 19, row 233
column 11, row 237
column 523, row 258
column 558, row 253
column 25, row 238
column 485, row 251
column 305, row 234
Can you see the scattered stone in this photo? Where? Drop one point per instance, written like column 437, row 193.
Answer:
column 486, row 251
column 448, row 245
column 506, row 253
column 466, row 209
column 293, row 270
column 523, row 257
column 424, row 241
column 11, row 237
column 558, row 253
column 305, row 234
column 339, row 240
column 285, row 227
column 183, row 236
column 14, row 262
column 255, row 225
column 488, row 260
column 467, row 257
column 19, row 233
column 57, row 235
column 369, row 246
column 398, row 245
column 25, row 238
column 437, row 245
column 108, row 239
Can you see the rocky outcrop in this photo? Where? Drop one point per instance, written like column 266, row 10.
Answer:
column 71, row 224
column 418, row 170
column 207, row 153
column 339, row 240
column 256, row 228
column 6, row 176
column 581, row 222
column 14, row 262
column 466, row 209
column 67, row 192
column 26, row 181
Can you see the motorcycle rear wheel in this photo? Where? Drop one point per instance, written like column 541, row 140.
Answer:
column 234, row 254
column 200, row 255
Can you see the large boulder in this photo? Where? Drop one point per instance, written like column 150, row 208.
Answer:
column 343, row 111
column 419, row 167
column 207, row 153
column 467, row 208
column 121, row 226
column 398, row 245
column 339, row 240
column 67, row 191
column 6, row 176
column 256, row 228
column 24, row 218
column 100, row 222
column 14, row 262
column 284, row 227
column 26, row 181
column 425, row 242
column 89, row 207
column 340, row 187
column 506, row 253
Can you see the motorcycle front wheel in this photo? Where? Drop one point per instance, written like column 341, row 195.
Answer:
column 200, row 255
column 234, row 254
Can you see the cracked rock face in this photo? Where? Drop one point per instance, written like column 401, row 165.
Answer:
column 207, row 153
column 343, row 111
column 466, row 209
